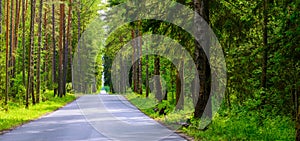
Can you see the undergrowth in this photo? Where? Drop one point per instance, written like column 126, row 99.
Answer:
column 238, row 123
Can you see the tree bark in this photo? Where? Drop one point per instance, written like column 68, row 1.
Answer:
column 7, row 55
column 140, row 83
column 17, row 22
column 32, row 91
column 12, row 49
column 179, row 86
column 69, row 35
column 157, row 83
column 78, row 43
column 178, row 90
column 202, row 63
column 46, row 49
column 54, row 52
column 65, row 54
column 147, row 74
column 134, row 81
column 173, row 79
column 38, row 84
column 23, row 42
column 61, row 44
column 30, row 52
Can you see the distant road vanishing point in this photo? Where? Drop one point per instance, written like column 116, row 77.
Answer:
column 94, row 118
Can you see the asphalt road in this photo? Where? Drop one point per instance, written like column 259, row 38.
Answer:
column 93, row 118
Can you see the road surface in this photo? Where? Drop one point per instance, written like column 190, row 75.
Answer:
column 93, row 118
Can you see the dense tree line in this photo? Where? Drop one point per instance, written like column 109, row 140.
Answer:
column 260, row 41
column 38, row 40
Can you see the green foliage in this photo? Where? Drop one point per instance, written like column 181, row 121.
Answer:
column 166, row 106
column 69, row 88
column 245, row 127
column 238, row 24
column 151, row 107
column 250, row 112
column 106, row 88
column 18, row 89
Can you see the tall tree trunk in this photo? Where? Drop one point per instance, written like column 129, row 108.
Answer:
column 172, row 83
column 26, row 5
column 29, row 59
column 7, row 55
column 46, row 49
column 23, row 41
column 67, row 41
column 33, row 8
column 178, row 90
column 147, row 74
column 78, row 42
column 12, row 49
column 179, row 86
column 140, row 84
column 30, row 52
column 69, row 36
column 157, row 83
column 54, row 52
column 134, row 81
column 65, row 55
column 17, row 22
column 202, row 64
column 32, row 91
column 38, row 84
column 61, row 45
column 138, row 64
column 137, row 71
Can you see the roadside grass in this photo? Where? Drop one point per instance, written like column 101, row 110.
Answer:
column 241, row 124
column 17, row 114
column 150, row 106
column 245, row 128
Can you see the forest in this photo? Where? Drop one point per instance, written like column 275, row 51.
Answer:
column 52, row 51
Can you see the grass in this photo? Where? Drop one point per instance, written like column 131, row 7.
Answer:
column 173, row 119
column 17, row 114
column 226, row 125
column 245, row 128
